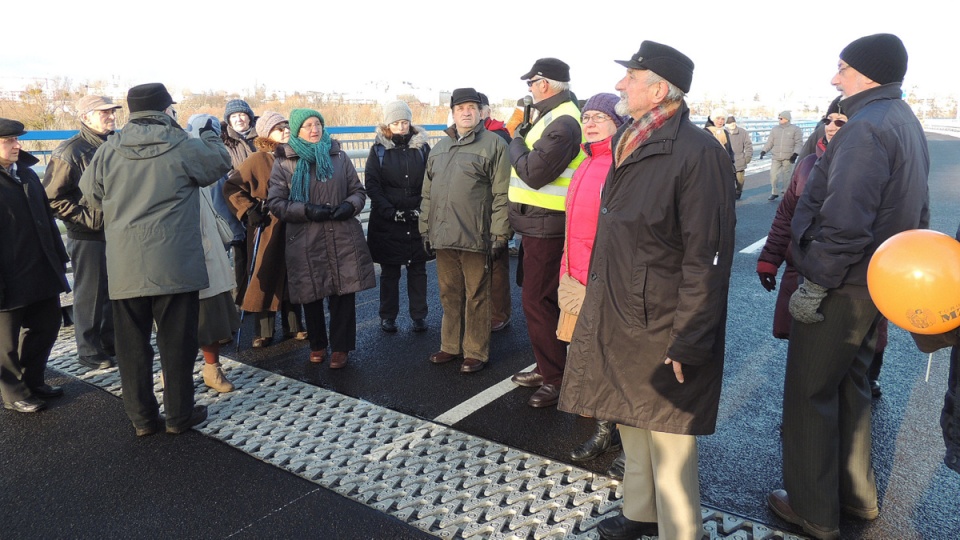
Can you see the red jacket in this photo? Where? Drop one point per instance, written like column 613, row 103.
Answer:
column 583, row 208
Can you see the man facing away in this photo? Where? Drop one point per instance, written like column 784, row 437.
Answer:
column 146, row 180
column 870, row 184
column 648, row 347
column 92, row 315
column 463, row 216
column 544, row 155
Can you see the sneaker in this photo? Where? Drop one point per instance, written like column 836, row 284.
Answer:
column 772, row 197
column 198, row 416
column 214, row 378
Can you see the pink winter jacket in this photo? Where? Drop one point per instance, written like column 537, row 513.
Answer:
column 583, row 208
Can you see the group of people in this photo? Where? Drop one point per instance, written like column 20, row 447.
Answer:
column 627, row 217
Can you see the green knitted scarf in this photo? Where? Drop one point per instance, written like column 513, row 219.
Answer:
column 310, row 154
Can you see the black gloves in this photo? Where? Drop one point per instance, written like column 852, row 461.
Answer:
column 317, row 212
column 522, row 130
column 793, row 158
column 498, row 247
column 427, row 247
column 257, row 218
column 763, row 153
column 400, row 216
column 343, row 212
column 412, row 215
column 206, row 127
column 768, row 275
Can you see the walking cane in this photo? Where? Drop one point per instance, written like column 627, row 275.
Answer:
column 253, row 263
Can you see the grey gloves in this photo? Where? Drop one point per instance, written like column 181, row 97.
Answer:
column 805, row 302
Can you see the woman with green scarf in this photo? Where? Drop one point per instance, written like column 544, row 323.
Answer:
column 315, row 190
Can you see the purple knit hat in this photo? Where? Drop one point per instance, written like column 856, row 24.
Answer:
column 605, row 103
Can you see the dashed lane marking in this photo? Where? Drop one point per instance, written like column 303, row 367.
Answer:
column 754, row 247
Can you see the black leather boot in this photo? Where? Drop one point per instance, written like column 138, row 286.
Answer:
column 621, row 528
column 606, row 437
column 617, row 467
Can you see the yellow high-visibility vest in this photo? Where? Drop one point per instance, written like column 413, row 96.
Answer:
column 553, row 195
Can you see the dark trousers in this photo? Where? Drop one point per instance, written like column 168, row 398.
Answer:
column 241, row 267
column 27, row 335
column 92, row 312
column 343, row 323
column 541, row 277
column 826, row 411
column 416, row 290
column 289, row 320
column 500, row 299
column 178, row 318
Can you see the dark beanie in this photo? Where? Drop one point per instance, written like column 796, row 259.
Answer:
column 880, row 57
column 237, row 106
column 834, row 106
column 607, row 104
column 149, row 97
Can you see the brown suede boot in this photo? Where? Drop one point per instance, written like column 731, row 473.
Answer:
column 214, row 378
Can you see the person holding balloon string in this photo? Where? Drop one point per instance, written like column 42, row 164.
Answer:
column 869, row 185
column 776, row 250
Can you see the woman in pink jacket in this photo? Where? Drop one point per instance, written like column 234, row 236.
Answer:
column 600, row 122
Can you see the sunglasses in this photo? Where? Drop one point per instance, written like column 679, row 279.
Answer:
column 838, row 122
column 531, row 82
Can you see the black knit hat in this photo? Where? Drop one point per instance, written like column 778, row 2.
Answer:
column 237, row 106
column 665, row 61
column 834, row 106
column 464, row 95
column 149, row 97
column 880, row 57
column 549, row 68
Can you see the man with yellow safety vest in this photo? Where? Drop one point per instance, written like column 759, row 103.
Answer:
column 544, row 153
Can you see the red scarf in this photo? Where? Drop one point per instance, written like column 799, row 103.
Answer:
column 639, row 131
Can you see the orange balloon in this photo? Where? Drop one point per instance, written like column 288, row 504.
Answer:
column 914, row 279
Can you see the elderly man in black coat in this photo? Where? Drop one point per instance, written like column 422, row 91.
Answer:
column 32, row 264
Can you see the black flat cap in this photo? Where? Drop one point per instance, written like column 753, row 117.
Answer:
column 11, row 128
column 665, row 61
column 149, row 97
column 464, row 95
column 550, row 68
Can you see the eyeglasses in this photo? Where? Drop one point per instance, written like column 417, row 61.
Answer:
column 837, row 122
column 309, row 127
column 596, row 118
column 531, row 82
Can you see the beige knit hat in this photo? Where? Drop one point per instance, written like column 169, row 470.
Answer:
column 396, row 111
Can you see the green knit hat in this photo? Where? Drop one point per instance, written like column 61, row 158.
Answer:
column 299, row 116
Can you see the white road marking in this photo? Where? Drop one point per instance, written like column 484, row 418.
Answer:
column 755, row 247
column 478, row 401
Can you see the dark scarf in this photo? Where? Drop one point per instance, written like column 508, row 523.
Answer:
column 639, row 131
column 93, row 138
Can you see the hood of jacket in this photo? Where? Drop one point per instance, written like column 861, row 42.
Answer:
column 148, row 134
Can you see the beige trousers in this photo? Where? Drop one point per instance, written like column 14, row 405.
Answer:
column 661, row 483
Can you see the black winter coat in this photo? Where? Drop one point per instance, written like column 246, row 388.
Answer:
column 32, row 256
column 396, row 185
column 869, row 185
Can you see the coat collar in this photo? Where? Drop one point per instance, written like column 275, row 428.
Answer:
column 854, row 103
column 661, row 140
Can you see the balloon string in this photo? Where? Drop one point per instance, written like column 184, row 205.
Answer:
column 929, row 361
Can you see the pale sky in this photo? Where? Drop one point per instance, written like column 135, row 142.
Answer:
column 782, row 50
